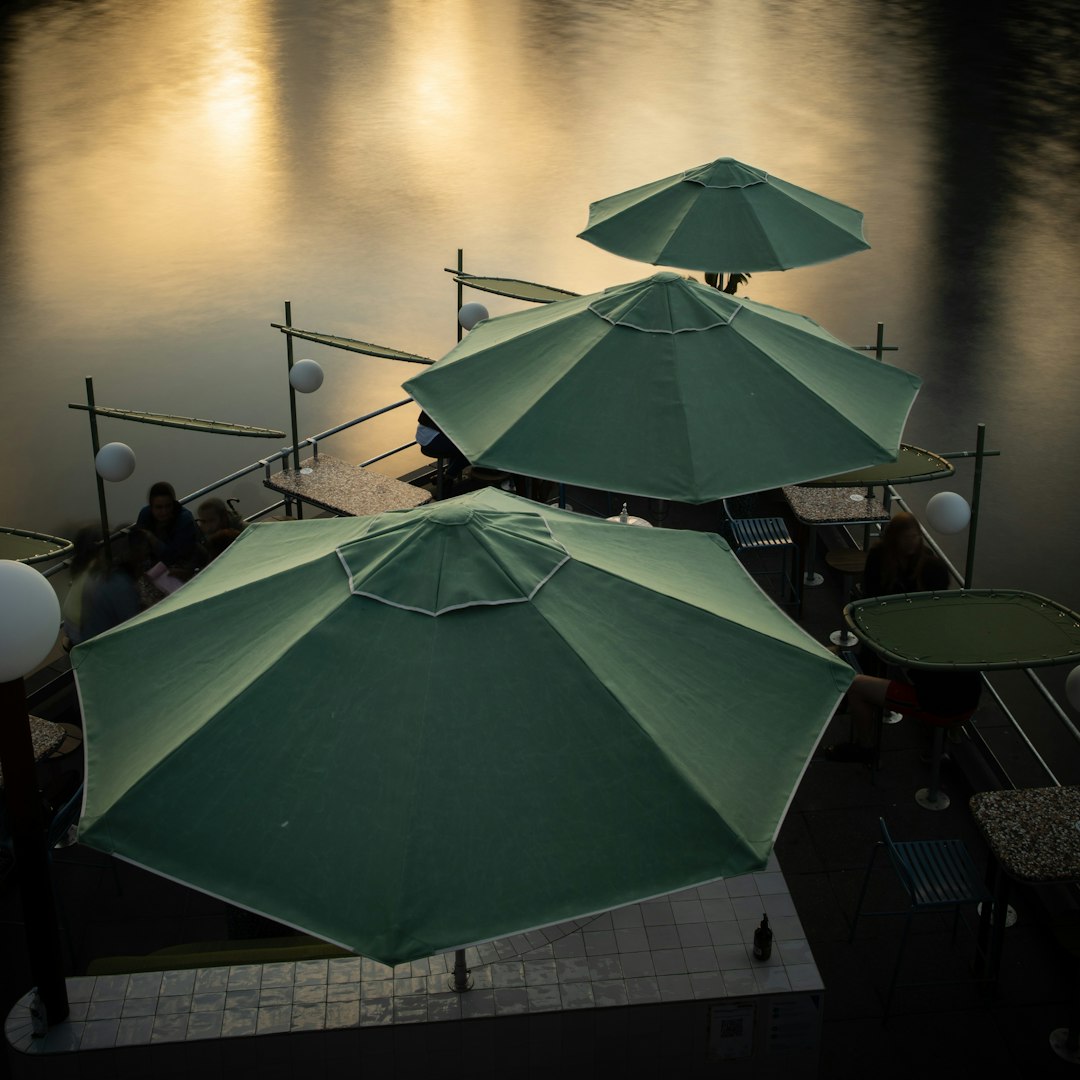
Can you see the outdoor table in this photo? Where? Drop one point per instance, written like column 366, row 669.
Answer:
column 1033, row 835
column 20, row 545
column 45, row 736
column 344, row 489
column 965, row 630
column 816, row 506
column 912, row 466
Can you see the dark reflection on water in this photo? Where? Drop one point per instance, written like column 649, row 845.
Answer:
column 173, row 172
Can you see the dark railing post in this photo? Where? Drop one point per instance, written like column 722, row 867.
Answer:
column 460, row 293
column 976, row 491
column 292, row 409
column 94, row 442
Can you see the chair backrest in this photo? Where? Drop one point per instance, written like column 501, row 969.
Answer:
column 739, row 506
column 900, row 864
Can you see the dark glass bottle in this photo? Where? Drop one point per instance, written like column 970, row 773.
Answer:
column 763, row 940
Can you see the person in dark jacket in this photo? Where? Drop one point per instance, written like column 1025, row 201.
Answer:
column 168, row 529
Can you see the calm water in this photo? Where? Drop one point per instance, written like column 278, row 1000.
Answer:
column 174, row 172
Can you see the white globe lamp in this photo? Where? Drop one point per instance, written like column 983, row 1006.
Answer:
column 1072, row 688
column 30, row 620
column 948, row 512
column 471, row 314
column 306, row 376
column 114, row 462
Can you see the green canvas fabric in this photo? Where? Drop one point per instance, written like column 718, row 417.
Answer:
column 725, row 217
column 969, row 630
column 665, row 388
column 401, row 783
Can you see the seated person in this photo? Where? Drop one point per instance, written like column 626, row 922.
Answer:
column 940, row 698
column 111, row 595
column 435, row 444
column 900, row 562
column 219, row 526
column 87, row 558
column 168, row 530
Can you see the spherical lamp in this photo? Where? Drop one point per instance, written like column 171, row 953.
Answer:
column 471, row 314
column 306, row 376
column 1072, row 688
column 115, row 461
column 948, row 512
column 30, row 619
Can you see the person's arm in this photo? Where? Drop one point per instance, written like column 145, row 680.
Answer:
column 935, row 575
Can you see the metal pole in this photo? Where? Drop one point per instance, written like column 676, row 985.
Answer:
column 460, row 294
column 461, row 980
column 97, row 476
column 879, row 347
column 292, row 404
column 976, row 490
column 28, row 839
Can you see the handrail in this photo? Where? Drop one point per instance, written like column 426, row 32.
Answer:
column 265, row 463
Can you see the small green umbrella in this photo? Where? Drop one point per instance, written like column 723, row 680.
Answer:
column 665, row 388
column 725, row 217
column 415, row 731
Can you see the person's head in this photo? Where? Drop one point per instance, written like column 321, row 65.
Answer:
column 86, row 548
column 162, row 502
column 213, row 516
column 902, row 537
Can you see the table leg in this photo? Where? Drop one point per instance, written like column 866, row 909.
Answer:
column 992, row 919
column 810, row 575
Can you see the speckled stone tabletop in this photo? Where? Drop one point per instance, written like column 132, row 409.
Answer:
column 342, row 488
column 833, row 505
column 1034, row 832
column 46, row 737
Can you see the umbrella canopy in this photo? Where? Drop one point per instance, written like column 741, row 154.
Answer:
column 665, row 388
column 725, row 217
column 410, row 732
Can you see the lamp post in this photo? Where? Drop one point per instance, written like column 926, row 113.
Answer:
column 29, row 626
column 113, row 462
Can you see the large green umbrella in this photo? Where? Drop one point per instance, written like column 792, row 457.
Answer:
column 725, row 217
column 666, row 388
column 414, row 731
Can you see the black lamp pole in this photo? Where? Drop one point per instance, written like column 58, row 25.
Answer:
column 28, row 837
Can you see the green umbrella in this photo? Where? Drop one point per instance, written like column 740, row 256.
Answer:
column 665, row 388
column 414, row 731
column 725, row 217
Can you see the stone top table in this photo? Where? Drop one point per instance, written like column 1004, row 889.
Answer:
column 834, row 506
column 814, row 506
column 1033, row 832
column 45, row 736
column 1033, row 837
column 344, row 489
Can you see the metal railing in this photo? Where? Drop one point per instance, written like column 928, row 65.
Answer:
column 265, row 464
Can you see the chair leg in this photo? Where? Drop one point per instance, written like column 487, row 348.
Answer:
column 862, row 891
column 896, row 969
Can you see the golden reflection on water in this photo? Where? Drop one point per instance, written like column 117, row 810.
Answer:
column 146, row 147
column 177, row 170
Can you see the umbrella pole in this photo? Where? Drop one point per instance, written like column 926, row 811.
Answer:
column 462, row 979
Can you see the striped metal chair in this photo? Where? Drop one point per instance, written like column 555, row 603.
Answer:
column 750, row 532
column 937, row 875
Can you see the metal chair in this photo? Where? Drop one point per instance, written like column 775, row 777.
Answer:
column 937, row 875
column 747, row 531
